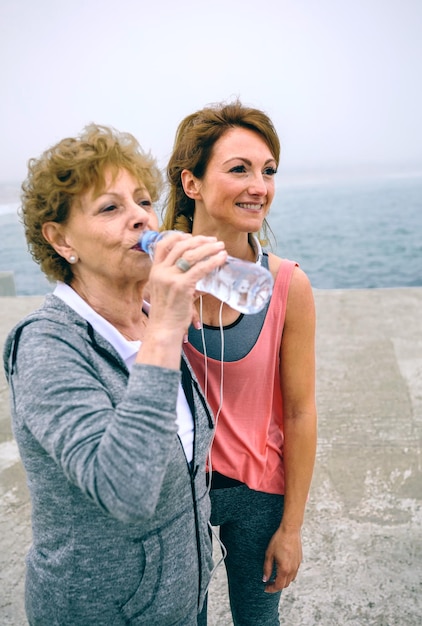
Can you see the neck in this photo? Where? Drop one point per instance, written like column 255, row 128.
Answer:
column 237, row 244
column 122, row 309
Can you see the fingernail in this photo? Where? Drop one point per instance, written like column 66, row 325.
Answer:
column 264, row 579
column 198, row 325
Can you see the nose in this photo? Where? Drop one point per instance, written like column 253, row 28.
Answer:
column 139, row 216
column 257, row 186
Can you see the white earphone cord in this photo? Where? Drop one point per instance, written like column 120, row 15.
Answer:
column 220, row 319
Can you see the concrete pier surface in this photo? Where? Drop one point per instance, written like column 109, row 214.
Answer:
column 363, row 530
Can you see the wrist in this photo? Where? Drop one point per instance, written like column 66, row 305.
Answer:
column 290, row 527
column 161, row 347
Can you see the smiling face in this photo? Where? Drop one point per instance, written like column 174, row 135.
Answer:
column 238, row 186
column 102, row 231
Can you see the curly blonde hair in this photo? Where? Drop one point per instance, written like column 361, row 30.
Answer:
column 196, row 136
column 69, row 169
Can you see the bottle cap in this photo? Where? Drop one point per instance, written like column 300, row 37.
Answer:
column 146, row 239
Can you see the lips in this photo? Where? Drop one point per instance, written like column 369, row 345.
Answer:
column 137, row 245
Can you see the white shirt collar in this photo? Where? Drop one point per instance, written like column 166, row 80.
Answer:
column 127, row 349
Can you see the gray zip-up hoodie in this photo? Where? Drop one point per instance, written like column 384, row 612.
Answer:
column 119, row 518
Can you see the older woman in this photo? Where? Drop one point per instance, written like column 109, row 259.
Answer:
column 113, row 446
column 258, row 370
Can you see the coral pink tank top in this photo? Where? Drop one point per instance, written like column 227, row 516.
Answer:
column 248, row 443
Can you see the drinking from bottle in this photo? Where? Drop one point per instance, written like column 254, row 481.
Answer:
column 243, row 285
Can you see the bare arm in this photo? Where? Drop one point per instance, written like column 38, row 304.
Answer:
column 297, row 374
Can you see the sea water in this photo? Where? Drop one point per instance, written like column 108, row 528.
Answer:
column 357, row 234
column 349, row 234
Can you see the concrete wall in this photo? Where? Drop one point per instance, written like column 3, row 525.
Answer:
column 7, row 284
column 363, row 530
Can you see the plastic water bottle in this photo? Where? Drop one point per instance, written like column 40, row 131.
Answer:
column 243, row 285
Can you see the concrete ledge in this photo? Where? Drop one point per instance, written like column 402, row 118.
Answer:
column 363, row 531
column 7, row 284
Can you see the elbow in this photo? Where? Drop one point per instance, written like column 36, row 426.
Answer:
column 306, row 415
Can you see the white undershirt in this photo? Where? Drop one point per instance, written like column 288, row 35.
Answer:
column 128, row 351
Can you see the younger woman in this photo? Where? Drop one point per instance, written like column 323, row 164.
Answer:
column 221, row 175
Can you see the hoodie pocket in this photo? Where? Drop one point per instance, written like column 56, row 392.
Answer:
column 168, row 586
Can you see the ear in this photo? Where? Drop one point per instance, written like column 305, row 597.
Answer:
column 191, row 184
column 53, row 233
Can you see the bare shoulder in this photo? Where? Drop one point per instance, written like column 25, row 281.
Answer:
column 299, row 282
column 274, row 263
column 300, row 301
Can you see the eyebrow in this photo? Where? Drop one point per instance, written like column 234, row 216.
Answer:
column 117, row 194
column 247, row 161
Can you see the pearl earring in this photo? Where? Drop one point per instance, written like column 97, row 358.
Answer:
column 72, row 259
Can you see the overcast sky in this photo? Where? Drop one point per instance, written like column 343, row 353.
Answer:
column 340, row 79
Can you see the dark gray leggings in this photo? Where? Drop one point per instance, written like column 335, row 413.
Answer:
column 247, row 520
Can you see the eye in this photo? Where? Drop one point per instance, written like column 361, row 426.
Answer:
column 238, row 169
column 270, row 171
column 145, row 203
column 108, row 208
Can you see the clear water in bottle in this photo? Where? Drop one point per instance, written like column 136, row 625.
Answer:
column 243, row 285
